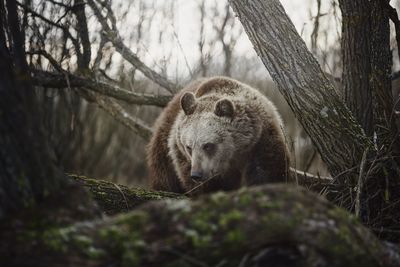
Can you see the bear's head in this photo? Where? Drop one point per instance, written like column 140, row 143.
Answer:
column 212, row 134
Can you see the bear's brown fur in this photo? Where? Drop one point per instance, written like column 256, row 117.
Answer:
column 264, row 158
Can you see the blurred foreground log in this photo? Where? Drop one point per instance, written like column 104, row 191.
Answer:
column 114, row 198
column 274, row 225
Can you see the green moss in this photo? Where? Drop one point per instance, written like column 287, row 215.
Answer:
column 198, row 240
column 245, row 199
column 82, row 242
column 125, row 245
column 235, row 237
column 58, row 238
column 231, row 216
column 125, row 238
column 113, row 234
column 133, row 246
column 219, row 198
column 202, row 220
column 266, row 203
column 181, row 205
column 134, row 221
column 87, row 246
column 27, row 236
column 95, row 253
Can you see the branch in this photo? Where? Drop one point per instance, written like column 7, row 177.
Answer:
column 262, row 226
column 138, row 126
column 83, row 32
column 113, row 36
column 56, row 65
column 54, row 24
column 315, row 183
column 53, row 80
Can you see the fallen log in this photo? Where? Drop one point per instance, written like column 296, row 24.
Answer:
column 114, row 198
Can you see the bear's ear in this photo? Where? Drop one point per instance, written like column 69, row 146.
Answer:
column 224, row 108
column 188, row 103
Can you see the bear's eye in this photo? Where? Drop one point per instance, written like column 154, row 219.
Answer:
column 189, row 150
column 209, row 148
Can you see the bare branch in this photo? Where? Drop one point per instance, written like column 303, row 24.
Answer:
column 314, row 34
column 49, row 57
column 113, row 36
column 83, row 33
column 138, row 126
column 52, row 23
column 49, row 79
column 314, row 183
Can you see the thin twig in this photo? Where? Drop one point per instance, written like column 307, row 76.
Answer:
column 123, row 195
column 200, row 184
column 360, row 182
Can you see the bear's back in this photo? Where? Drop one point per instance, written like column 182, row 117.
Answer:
column 220, row 86
column 240, row 94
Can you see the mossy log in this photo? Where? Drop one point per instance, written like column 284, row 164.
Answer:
column 114, row 198
column 273, row 225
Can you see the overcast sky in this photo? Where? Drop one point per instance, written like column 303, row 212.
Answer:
column 184, row 30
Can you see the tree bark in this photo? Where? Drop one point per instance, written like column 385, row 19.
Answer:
column 24, row 180
column 386, row 131
column 261, row 226
column 356, row 36
column 83, row 33
column 305, row 87
column 380, row 190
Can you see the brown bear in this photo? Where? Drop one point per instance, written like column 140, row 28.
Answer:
column 217, row 134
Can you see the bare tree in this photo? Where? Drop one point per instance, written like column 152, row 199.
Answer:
column 226, row 35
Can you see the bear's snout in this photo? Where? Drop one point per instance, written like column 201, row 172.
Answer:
column 196, row 175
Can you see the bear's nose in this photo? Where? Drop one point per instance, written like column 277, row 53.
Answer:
column 195, row 175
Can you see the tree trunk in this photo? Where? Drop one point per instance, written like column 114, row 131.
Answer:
column 29, row 173
column 24, row 179
column 380, row 190
column 338, row 137
column 380, row 80
column 274, row 225
column 356, row 33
